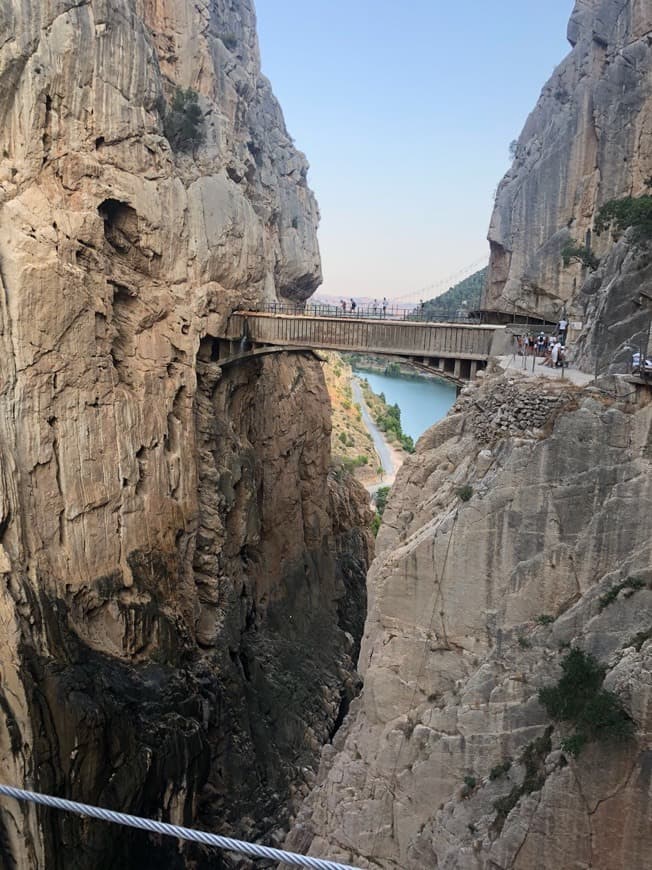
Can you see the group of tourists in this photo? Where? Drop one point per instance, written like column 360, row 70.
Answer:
column 551, row 347
column 375, row 309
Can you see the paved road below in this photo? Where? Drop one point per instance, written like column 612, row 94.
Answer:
column 381, row 446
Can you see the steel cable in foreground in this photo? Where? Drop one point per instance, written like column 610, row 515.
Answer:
column 226, row 843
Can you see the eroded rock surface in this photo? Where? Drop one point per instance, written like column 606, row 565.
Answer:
column 586, row 142
column 474, row 598
column 175, row 561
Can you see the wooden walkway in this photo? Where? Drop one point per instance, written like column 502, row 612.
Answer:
column 454, row 349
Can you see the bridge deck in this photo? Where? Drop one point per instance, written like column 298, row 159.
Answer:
column 398, row 338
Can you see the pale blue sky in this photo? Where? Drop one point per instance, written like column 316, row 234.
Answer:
column 405, row 112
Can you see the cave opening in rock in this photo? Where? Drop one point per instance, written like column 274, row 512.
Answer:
column 120, row 224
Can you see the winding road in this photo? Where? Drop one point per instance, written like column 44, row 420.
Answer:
column 380, row 445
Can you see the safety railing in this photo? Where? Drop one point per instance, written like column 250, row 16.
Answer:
column 364, row 312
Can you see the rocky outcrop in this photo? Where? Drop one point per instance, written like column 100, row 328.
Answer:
column 519, row 529
column 586, row 142
column 174, row 639
column 616, row 315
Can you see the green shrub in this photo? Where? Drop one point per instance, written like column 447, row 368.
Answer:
column 342, row 437
column 629, row 583
column 580, row 254
column 407, row 443
column 532, row 758
column 626, row 213
column 544, row 619
column 375, row 523
column 351, row 463
column 470, row 783
column 382, row 494
column 500, row 769
column 183, row 120
column 579, row 699
column 465, row 492
column 523, row 642
column 574, row 744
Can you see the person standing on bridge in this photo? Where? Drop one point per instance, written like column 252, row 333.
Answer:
column 353, row 305
column 384, row 306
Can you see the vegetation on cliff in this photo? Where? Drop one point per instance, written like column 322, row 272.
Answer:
column 464, row 295
column 387, row 417
column 627, row 213
column 579, row 699
column 351, row 445
column 380, row 501
column 574, row 253
column 183, row 120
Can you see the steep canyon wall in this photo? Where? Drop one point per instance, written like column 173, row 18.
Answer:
column 448, row 759
column 587, row 141
column 176, row 562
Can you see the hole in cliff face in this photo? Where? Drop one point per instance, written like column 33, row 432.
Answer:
column 120, row 224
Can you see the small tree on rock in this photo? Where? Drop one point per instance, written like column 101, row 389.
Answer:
column 183, row 122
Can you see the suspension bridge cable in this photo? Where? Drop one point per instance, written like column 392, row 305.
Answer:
column 449, row 281
column 227, row 843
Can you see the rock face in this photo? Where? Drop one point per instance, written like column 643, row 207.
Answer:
column 586, row 142
column 617, row 324
column 519, row 512
column 176, row 563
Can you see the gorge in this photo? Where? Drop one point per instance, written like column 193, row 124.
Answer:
column 190, row 595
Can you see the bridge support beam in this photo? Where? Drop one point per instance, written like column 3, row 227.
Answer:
column 474, row 368
column 457, row 371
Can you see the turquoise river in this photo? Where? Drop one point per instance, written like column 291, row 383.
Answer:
column 423, row 401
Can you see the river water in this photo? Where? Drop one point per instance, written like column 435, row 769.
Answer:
column 423, row 401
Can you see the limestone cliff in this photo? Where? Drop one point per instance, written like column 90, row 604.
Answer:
column 175, row 562
column 512, row 534
column 586, row 142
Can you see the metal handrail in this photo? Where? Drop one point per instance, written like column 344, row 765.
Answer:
column 393, row 313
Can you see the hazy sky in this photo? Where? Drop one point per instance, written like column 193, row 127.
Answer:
column 405, row 112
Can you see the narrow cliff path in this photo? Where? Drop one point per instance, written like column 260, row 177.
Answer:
column 389, row 458
column 523, row 366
